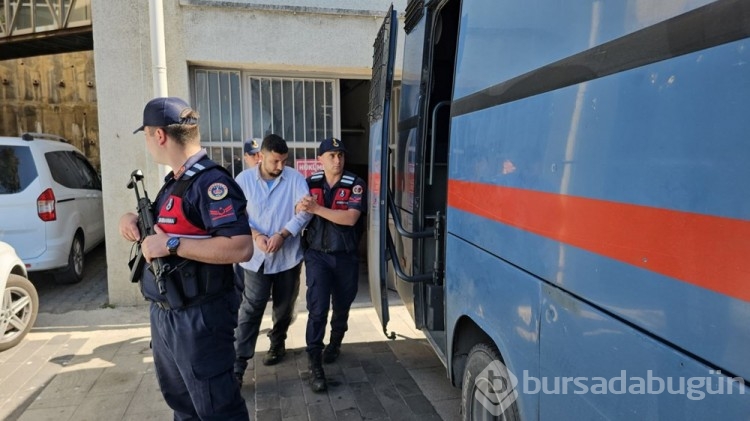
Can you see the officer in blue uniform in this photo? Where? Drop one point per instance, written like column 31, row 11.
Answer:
column 331, row 258
column 201, row 230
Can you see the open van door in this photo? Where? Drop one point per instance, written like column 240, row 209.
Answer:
column 379, row 115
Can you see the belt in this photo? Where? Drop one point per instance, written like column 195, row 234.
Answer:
column 162, row 305
column 327, row 251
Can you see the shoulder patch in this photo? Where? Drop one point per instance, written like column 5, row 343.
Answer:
column 357, row 189
column 217, row 191
column 222, row 212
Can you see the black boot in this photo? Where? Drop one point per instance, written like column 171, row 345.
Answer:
column 333, row 349
column 317, row 375
column 275, row 354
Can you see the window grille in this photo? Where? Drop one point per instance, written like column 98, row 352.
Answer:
column 301, row 110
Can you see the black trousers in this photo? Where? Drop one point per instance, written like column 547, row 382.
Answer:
column 258, row 289
column 331, row 279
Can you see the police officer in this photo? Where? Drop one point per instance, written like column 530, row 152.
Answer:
column 251, row 154
column 201, row 230
column 331, row 258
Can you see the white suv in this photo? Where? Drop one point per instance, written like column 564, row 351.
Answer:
column 50, row 204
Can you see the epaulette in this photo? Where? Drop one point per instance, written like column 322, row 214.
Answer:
column 191, row 174
column 347, row 180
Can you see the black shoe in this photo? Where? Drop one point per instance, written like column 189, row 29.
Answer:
column 331, row 353
column 274, row 355
column 317, row 375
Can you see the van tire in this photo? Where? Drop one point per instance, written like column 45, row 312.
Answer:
column 73, row 273
column 479, row 359
column 20, row 291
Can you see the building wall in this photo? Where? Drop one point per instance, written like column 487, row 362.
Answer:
column 313, row 37
column 53, row 94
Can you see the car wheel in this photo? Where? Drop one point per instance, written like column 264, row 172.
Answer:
column 73, row 273
column 487, row 391
column 20, row 305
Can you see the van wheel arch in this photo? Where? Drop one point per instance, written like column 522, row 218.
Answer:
column 470, row 335
column 473, row 351
column 73, row 272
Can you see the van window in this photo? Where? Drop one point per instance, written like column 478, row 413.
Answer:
column 17, row 169
column 87, row 172
column 63, row 169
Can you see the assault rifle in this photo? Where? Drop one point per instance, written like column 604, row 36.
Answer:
column 146, row 227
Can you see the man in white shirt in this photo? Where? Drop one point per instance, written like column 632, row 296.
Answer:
column 272, row 189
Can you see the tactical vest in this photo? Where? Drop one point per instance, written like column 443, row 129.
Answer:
column 171, row 217
column 189, row 282
column 322, row 234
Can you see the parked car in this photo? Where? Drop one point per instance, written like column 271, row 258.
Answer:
column 50, row 204
column 20, row 302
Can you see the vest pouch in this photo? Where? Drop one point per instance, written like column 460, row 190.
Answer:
column 174, row 298
column 216, row 278
column 346, row 238
column 189, row 280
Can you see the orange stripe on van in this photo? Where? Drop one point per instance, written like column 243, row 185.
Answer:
column 708, row 251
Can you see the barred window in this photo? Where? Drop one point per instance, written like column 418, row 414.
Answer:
column 301, row 110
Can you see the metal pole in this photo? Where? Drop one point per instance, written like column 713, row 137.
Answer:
column 158, row 57
column 158, row 49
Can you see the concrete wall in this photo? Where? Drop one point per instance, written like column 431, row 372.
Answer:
column 313, row 37
column 53, row 94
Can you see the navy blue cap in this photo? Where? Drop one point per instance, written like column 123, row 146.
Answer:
column 161, row 112
column 331, row 144
column 251, row 146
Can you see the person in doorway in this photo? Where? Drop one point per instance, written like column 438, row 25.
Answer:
column 201, row 230
column 272, row 189
column 251, row 154
column 331, row 258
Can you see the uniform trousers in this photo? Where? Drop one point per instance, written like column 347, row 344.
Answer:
column 258, row 288
column 193, row 349
column 332, row 280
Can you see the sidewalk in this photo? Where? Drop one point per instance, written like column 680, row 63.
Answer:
column 96, row 364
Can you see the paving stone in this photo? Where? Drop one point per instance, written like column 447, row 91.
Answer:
column 266, row 401
column 266, row 384
column 290, row 389
column 407, row 386
column 268, row 415
column 57, row 413
column 381, row 381
column 434, row 383
column 354, row 374
column 367, row 402
column 393, row 402
column 341, row 398
column 292, row 406
column 371, row 366
column 348, row 415
column 419, row 405
column 94, row 408
column 320, row 412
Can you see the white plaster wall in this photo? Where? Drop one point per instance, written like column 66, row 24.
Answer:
column 333, row 38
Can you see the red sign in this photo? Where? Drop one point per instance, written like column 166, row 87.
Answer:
column 308, row 166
